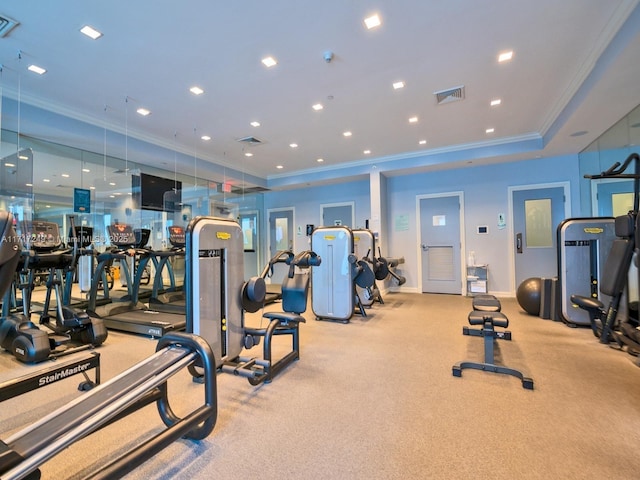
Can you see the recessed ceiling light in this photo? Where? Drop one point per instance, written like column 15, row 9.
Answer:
column 143, row 111
column 112, row 196
column 23, row 157
column 366, row 152
column 372, row 21
column 347, row 134
column 86, row 170
column 36, row 69
column 46, row 180
column 9, row 164
column 206, row 138
column 496, row 102
column 65, row 175
column 92, row 188
column 196, row 90
column 422, row 142
column 91, row 32
column 255, row 124
column 293, row 145
column 279, row 167
column 398, row 85
column 28, row 184
column 113, row 184
column 505, row 56
column 317, row 106
column 320, row 160
column 269, row 61
column 248, row 154
column 490, row 130
column 413, row 119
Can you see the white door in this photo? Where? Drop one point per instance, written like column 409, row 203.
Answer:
column 337, row 215
column 281, row 237
column 611, row 198
column 280, row 230
column 536, row 213
column 251, row 241
column 440, row 244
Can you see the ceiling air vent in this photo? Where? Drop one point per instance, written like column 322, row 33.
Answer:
column 248, row 190
column 449, row 95
column 6, row 25
column 253, row 141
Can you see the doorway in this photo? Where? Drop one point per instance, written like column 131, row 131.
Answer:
column 440, row 242
column 249, row 222
column 337, row 214
column 280, row 229
column 535, row 212
column 281, row 237
column 611, row 197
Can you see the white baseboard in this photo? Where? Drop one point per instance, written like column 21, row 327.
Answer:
column 415, row 290
column 403, row 289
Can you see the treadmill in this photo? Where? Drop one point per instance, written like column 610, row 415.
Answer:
column 128, row 314
column 171, row 299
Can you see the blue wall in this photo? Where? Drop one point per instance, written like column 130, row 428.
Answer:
column 485, row 191
column 307, row 203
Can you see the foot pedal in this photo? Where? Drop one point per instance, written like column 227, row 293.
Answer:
column 56, row 341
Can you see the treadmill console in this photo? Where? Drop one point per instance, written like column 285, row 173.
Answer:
column 43, row 236
column 176, row 236
column 122, row 235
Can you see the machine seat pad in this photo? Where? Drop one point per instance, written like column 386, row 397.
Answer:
column 284, row 317
column 587, row 303
column 480, row 317
column 486, row 303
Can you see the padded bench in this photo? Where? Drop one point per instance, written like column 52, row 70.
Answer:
column 489, row 321
column 495, row 318
column 486, row 303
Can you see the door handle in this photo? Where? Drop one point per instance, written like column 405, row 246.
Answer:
column 519, row 243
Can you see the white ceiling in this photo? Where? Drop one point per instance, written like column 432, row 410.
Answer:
column 575, row 68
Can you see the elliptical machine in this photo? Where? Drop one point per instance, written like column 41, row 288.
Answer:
column 21, row 336
column 18, row 334
column 69, row 322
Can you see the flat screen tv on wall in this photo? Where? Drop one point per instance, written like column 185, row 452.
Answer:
column 156, row 193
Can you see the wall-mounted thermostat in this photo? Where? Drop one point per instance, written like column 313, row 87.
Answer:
column 483, row 229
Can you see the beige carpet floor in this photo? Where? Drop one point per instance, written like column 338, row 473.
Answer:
column 376, row 399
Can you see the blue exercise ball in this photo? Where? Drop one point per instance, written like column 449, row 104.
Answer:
column 528, row 295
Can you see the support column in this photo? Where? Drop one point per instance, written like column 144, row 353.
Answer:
column 378, row 199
